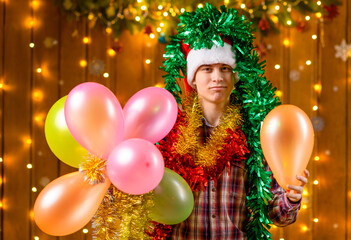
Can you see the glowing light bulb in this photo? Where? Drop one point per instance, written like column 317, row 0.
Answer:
column 31, row 45
column 318, row 15
column 83, row 63
column 1, row 160
column 108, row 30
column 307, row 18
column 314, row 36
column 165, row 14
column 319, row 3
column 304, row 206
column 279, row 93
column 317, row 87
column 277, row 7
column 147, row 61
column 275, row 19
column 36, row 238
column 38, row 118
column 106, row 75
column 158, row 29
column 315, row 220
column 243, row 5
column 286, row 42
column 37, row 95
column 152, row 36
column 277, row 66
column 111, row 52
column 316, row 158
column 1, row 85
column 139, row 1
column 31, row 22
column 162, row 24
column 315, row 108
column 304, row 228
column 143, row 7
column 305, row 193
column 308, row 62
column 38, row 70
column 29, row 166
column 226, row 1
column 200, row 5
column 160, row 7
column 85, row 230
column 182, row 10
column 35, row 4
column 86, row 40
column 315, row 182
column 289, row 22
column 91, row 16
column 34, row 189
column 137, row 18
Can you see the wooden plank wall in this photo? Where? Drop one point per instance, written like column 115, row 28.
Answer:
column 26, row 96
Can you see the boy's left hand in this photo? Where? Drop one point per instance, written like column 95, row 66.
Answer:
column 294, row 193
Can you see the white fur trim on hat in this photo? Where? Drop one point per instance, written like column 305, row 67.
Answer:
column 216, row 54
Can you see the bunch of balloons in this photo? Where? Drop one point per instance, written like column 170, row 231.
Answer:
column 90, row 120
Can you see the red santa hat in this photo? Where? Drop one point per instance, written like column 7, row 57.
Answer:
column 196, row 58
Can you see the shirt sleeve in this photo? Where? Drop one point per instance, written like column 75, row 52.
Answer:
column 281, row 210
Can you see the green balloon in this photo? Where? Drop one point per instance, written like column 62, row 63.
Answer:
column 59, row 139
column 173, row 198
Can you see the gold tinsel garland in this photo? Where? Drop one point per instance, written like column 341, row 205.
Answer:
column 123, row 216
column 204, row 154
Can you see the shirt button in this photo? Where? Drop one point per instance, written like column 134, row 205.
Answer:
column 213, row 216
column 213, row 189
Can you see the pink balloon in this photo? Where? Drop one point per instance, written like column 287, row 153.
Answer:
column 135, row 166
column 150, row 114
column 95, row 118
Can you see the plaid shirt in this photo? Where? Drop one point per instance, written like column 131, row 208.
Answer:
column 220, row 212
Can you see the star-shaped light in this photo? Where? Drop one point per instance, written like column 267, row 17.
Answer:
column 343, row 50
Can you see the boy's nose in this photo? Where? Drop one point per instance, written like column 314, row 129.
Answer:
column 217, row 74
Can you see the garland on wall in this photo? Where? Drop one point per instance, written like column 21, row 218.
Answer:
column 161, row 17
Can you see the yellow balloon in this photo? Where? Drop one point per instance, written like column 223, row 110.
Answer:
column 59, row 139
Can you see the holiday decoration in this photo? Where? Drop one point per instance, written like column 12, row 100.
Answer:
column 49, row 42
column 343, row 50
column 294, row 75
column 332, row 11
column 138, row 15
column 318, row 123
column 96, row 67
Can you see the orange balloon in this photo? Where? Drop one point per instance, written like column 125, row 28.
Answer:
column 287, row 139
column 67, row 204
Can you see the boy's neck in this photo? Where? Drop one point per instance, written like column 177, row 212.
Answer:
column 212, row 111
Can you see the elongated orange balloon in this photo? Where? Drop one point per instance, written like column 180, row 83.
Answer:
column 287, row 139
column 67, row 204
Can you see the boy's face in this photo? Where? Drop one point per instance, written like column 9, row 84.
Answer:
column 214, row 83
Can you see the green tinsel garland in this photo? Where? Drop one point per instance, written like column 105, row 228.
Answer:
column 202, row 29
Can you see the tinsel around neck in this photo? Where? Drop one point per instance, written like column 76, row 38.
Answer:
column 202, row 29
